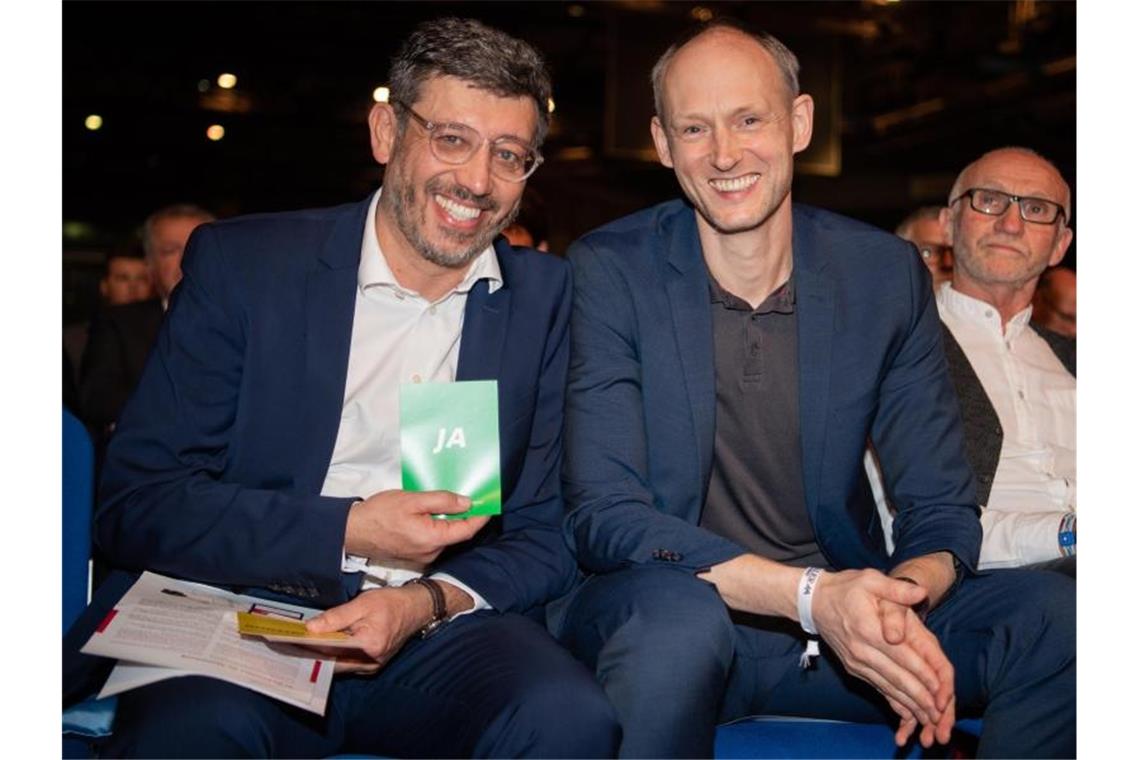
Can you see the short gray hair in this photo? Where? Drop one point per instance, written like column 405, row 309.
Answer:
column 173, row 211
column 919, row 214
column 474, row 52
column 785, row 59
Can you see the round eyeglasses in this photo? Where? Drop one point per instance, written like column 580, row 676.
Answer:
column 511, row 160
column 995, row 202
column 933, row 252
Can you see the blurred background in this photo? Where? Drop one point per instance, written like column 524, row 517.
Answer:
column 261, row 106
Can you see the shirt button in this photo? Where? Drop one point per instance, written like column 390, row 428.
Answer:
column 989, row 313
column 431, row 310
column 399, row 295
column 416, row 377
column 1021, row 395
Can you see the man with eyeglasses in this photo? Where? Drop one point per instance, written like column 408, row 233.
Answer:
column 732, row 353
column 923, row 229
column 262, row 449
column 1016, row 380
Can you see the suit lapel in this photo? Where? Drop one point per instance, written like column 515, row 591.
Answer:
column 484, row 333
column 686, row 284
column 330, row 302
column 815, row 320
column 485, row 320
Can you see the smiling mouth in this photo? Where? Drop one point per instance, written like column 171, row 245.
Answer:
column 734, row 185
column 456, row 210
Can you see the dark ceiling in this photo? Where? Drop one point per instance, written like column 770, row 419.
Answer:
column 907, row 93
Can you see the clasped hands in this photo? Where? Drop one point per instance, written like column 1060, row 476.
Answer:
column 866, row 618
column 395, row 528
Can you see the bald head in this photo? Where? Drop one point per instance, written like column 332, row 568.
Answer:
column 1018, row 160
column 786, row 62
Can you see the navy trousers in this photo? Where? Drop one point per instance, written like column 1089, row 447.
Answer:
column 675, row 662
column 485, row 685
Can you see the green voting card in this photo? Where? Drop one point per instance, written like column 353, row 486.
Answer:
column 449, row 441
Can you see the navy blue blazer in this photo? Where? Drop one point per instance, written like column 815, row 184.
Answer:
column 641, row 401
column 215, row 471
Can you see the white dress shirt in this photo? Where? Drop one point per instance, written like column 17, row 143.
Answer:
column 397, row 337
column 1035, row 398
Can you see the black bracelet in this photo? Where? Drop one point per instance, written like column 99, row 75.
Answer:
column 438, row 605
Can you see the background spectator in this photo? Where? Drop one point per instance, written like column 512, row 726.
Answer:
column 122, row 334
column 923, row 229
column 1055, row 302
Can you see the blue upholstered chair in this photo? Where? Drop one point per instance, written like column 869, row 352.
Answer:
column 78, row 498
column 781, row 737
column 88, row 721
column 784, row 737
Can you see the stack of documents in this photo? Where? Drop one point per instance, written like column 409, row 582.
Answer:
column 163, row 628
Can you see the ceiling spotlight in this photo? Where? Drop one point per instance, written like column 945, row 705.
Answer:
column 227, row 81
column 380, row 94
column 550, row 105
column 93, row 122
column 215, row 132
column 701, row 13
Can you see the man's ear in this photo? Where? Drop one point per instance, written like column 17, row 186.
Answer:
column 1061, row 246
column 947, row 227
column 661, row 142
column 382, row 129
column 803, row 113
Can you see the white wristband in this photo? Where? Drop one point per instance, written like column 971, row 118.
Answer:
column 804, row 596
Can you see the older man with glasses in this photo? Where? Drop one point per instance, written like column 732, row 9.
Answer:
column 262, row 449
column 1016, row 380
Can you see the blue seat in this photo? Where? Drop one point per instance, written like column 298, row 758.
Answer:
column 78, row 499
column 90, row 720
column 781, row 737
column 786, row 737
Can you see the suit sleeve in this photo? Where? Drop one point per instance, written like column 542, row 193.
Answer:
column 917, row 434
column 529, row 563
column 164, row 501
column 613, row 518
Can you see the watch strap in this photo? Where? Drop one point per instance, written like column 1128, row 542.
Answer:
column 438, row 604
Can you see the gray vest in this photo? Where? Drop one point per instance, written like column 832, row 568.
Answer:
column 980, row 423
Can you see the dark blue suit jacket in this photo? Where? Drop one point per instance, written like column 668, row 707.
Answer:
column 215, row 471
column 641, row 401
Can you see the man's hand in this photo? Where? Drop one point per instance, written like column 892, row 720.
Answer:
column 397, row 527
column 854, row 610
column 381, row 620
column 935, row 573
